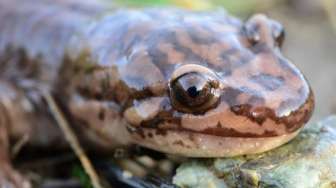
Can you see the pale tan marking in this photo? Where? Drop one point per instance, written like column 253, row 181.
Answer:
column 143, row 110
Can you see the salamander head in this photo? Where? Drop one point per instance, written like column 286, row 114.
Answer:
column 215, row 88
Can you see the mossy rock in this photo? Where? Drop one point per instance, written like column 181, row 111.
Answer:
column 308, row 161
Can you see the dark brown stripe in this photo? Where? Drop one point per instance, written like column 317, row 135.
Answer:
column 221, row 132
column 293, row 121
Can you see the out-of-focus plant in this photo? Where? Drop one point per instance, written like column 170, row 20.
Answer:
column 246, row 6
column 141, row 3
column 79, row 173
column 194, row 4
column 233, row 6
column 189, row 4
column 330, row 8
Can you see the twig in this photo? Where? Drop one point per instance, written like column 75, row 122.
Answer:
column 19, row 145
column 73, row 141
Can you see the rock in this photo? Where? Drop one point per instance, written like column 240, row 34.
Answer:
column 308, row 161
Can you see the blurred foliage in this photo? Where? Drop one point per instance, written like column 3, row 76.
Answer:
column 233, row 6
column 246, row 6
column 193, row 4
column 79, row 173
column 330, row 6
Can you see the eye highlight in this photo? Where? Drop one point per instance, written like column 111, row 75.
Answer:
column 194, row 92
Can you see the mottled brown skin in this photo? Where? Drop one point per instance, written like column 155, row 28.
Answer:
column 199, row 84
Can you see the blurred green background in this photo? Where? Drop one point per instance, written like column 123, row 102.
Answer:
column 230, row 5
column 310, row 36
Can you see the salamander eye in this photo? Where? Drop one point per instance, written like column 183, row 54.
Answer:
column 194, row 92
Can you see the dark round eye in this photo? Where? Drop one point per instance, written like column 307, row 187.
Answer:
column 194, row 92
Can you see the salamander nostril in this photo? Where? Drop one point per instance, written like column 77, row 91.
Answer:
column 260, row 29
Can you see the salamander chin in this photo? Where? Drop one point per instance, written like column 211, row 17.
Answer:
column 192, row 144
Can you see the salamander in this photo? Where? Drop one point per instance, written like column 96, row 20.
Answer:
column 190, row 83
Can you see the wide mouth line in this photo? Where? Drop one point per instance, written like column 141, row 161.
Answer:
column 164, row 132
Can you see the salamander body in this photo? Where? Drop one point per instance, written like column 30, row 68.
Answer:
column 197, row 84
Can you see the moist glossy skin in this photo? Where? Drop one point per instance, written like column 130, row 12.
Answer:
column 259, row 98
column 199, row 84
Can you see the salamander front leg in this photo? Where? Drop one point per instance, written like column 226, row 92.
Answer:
column 9, row 177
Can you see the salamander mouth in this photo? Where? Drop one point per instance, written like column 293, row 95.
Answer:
column 193, row 144
column 222, row 121
column 218, row 133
